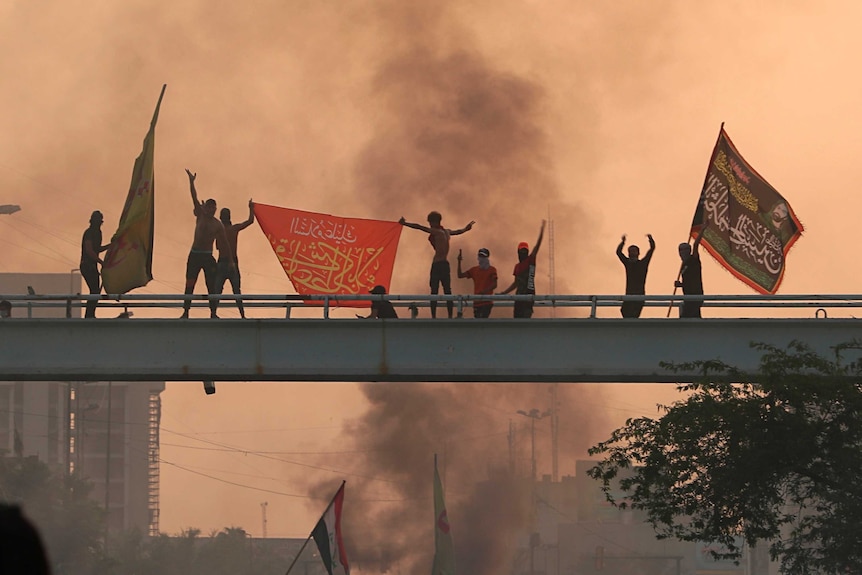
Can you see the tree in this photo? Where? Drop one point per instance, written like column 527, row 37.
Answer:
column 70, row 523
column 773, row 458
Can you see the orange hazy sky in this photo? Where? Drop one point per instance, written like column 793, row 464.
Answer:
column 603, row 114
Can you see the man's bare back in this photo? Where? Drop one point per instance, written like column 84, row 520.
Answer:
column 207, row 229
column 232, row 231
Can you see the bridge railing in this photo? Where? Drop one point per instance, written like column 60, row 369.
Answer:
column 283, row 305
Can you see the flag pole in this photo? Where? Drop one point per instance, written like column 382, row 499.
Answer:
column 699, row 204
column 307, row 539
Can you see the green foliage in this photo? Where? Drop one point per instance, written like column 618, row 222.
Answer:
column 773, row 457
column 71, row 524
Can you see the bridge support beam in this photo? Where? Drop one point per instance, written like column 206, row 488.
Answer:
column 460, row 350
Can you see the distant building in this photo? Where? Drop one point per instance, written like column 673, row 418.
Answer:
column 106, row 432
column 577, row 532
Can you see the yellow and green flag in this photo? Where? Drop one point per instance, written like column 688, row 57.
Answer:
column 444, row 550
column 129, row 261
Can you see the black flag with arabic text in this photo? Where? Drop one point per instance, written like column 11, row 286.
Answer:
column 751, row 226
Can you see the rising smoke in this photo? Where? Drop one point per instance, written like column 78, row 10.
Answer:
column 458, row 134
column 388, row 503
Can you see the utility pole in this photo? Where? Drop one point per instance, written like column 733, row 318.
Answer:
column 555, row 431
column 263, row 517
column 534, row 415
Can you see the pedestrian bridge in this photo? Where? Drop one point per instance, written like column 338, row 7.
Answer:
column 304, row 341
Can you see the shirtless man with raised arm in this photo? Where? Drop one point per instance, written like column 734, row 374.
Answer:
column 207, row 230
column 228, row 269
column 440, row 271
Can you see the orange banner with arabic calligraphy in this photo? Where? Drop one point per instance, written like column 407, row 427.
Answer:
column 330, row 255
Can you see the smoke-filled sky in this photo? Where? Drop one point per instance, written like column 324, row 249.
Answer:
column 602, row 115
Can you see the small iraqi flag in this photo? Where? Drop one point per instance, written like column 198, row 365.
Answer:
column 327, row 536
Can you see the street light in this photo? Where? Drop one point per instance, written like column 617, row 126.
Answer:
column 534, row 415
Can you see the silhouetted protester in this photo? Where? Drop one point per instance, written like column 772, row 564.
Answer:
column 440, row 270
column 484, row 278
column 380, row 309
column 21, row 548
column 207, row 229
column 636, row 272
column 91, row 247
column 525, row 276
column 692, row 277
column 228, row 269
column 5, row 309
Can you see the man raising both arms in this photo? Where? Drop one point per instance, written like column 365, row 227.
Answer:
column 229, row 269
column 636, row 272
column 440, row 270
column 207, row 230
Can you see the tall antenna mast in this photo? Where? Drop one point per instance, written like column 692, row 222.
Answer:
column 552, row 280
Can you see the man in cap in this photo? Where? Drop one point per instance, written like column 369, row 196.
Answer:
column 636, row 272
column 91, row 247
column 380, row 308
column 440, row 271
column 484, row 278
column 525, row 276
column 692, row 277
column 207, row 229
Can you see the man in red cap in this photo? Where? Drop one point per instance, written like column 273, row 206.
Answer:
column 440, row 271
column 525, row 276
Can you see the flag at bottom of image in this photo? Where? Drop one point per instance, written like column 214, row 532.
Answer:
column 327, row 536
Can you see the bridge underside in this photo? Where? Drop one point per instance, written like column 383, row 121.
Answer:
column 461, row 350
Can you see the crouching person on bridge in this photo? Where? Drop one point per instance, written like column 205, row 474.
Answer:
column 380, row 309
